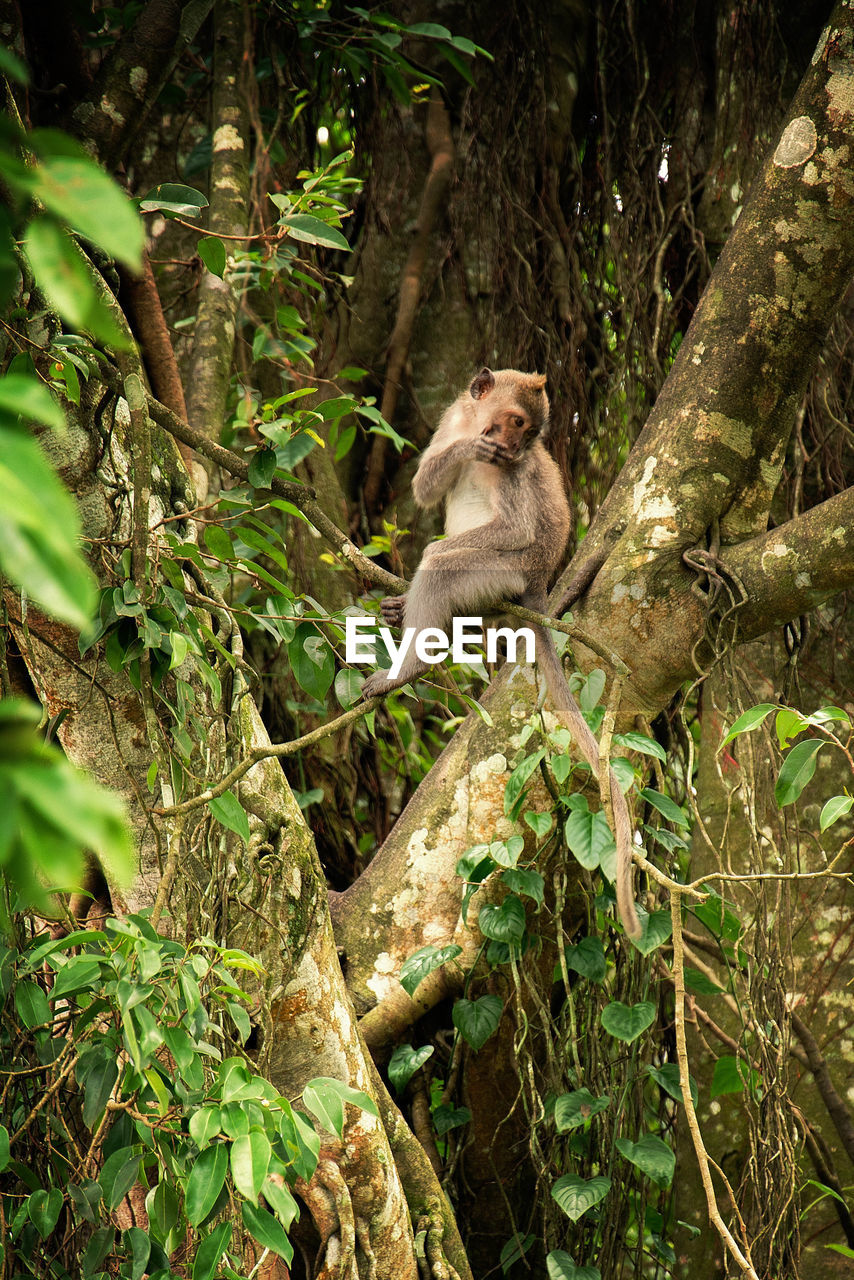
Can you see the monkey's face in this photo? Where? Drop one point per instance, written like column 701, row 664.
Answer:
column 512, row 408
column 512, row 429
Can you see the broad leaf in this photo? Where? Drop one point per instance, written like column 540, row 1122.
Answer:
column 572, row 1110
column 206, row 1180
column 210, row 1251
column 651, row 1155
column 267, row 1230
column 627, row 1022
column 796, row 771
column 560, row 1266
column 250, row 1160
column 833, row 809
column 504, row 923
column 228, row 810
column 404, row 1062
column 423, row 962
column 476, row 1020
column 39, row 530
column 211, row 250
column 575, row 1195
column 749, row 720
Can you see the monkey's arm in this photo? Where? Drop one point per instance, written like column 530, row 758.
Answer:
column 439, row 469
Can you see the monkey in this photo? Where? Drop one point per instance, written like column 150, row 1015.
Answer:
column 507, row 520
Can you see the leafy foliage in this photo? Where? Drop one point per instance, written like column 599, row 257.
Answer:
column 137, row 1040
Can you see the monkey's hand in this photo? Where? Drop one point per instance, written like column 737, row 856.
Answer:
column 485, row 449
column 392, row 610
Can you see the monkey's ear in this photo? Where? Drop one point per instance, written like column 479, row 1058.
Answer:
column 538, row 381
column 483, row 384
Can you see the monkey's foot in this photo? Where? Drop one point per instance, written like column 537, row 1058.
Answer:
column 392, row 610
column 377, row 685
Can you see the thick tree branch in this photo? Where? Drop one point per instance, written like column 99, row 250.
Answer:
column 713, row 445
column 791, row 569
column 213, row 336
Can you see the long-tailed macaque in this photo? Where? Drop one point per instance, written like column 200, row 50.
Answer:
column 506, row 524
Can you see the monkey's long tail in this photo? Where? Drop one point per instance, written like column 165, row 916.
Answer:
column 567, row 709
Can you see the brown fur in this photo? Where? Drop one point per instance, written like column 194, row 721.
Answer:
column 507, row 520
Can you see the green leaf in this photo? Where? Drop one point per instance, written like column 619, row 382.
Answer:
column 525, row 881
column 31, row 1004
column 560, row 1266
column 11, row 66
column 138, row 1245
column 788, row 723
column 250, row 1160
column 575, row 1195
column 422, row 962
column 302, row 226
column 80, row 193
column 175, row 198
column 4, row 1147
column 39, row 531
column 749, row 720
column 312, row 661
column 301, row 1142
column 101, row 1076
column 43, row 1208
column 589, row 838
column 651, row 1155
column 640, row 742
column 572, row 1110
column 100, row 1244
column 504, row 923
column 718, row 917
column 228, row 810
column 591, row 691
column 731, row 1075
column 627, row 1022
column 269, row 1233
column 262, row 468
column 325, row 1097
column 205, row 1182
column 667, row 1077
column 117, row 1176
column 834, row 809
column 515, row 1248
column 587, row 957
column 405, row 1061
column 211, row 250
column 280, row 1200
column 432, row 30
column 656, row 928
column 476, row 1020
column 218, row 542
column 446, row 1118
column 668, row 808
column 697, row 981
column 540, row 823
column 21, row 394
column 796, row 771
column 518, row 778
column 210, row 1251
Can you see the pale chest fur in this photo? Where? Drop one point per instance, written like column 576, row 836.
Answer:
column 471, row 502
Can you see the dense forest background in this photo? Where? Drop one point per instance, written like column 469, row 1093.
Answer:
column 300, row 985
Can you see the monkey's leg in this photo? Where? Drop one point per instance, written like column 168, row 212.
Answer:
column 452, row 580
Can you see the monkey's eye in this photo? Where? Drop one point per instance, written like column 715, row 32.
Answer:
column 518, row 422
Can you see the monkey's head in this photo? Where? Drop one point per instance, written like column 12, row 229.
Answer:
column 512, row 407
